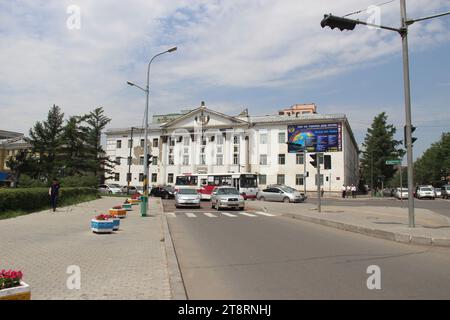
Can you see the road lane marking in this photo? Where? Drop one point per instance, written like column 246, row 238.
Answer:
column 247, row 214
column 171, row 214
column 191, row 215
column 209, row 215
column 265, row 214
column 229, row 214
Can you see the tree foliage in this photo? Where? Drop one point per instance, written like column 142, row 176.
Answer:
column 379, row 145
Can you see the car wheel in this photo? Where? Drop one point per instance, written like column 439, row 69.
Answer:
column 212, row 205
column 241, row 209
column 262, row 199
column 286, row 200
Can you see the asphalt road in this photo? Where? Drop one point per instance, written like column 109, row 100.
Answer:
column 273, row 257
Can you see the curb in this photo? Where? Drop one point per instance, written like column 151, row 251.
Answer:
column 376, row 233
column 177, row 289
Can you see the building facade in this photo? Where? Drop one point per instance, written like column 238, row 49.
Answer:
column 206, row 141
column 10, row 144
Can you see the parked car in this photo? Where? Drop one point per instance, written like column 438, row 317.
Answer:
column 280, row 193
column 164, row 192
column 187, row 197
column 425, row 192
column 133, row 190
column 110, row 188
column 445, row 191
column 437, row 192
column 227, row 197
column 401, row 193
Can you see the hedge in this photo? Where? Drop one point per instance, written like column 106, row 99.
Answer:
column 34, row 199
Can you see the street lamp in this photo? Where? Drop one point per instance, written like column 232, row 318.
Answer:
column 350, row 24
column 144, row 203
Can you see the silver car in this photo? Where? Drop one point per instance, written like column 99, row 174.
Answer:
column 227, row 197
column 187, row 197
column 280, row 193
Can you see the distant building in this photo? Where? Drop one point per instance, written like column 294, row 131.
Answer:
column 299, row 109
column 205, row 141
column 10, row 144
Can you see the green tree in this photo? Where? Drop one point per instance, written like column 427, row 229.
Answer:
column 72, row 153
column 433, row 167
column 379, row 145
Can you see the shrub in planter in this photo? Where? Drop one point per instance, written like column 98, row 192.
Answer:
column 12, row 287
column 102, row 224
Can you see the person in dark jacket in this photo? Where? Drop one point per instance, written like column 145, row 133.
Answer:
column 53, row 191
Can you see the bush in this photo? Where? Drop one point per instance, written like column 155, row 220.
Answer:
column 34, row 199
column 89, row 181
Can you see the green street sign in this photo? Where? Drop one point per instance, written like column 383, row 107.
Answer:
column 394, row 162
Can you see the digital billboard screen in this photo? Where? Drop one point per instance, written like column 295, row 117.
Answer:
column 324, row 137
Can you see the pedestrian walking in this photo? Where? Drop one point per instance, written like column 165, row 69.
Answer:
column 348, row 191
column 322, row 192
column 353, row 191
column 343, row 190
column 53, row 192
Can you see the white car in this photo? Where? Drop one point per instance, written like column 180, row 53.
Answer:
column 437, row 192
column 401, row 193
column 110, row 188
column 187, row 197
column 425, row 192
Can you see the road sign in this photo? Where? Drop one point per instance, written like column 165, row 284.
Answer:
column 394, row 162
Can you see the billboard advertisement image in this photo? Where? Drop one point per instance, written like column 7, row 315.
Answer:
column 324, row 137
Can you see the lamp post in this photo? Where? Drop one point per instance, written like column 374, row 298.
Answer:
column 144, row 203
column 350, row 24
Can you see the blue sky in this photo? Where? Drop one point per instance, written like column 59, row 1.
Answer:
column 258, row 54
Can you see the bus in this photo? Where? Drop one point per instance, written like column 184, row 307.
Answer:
column 246, row 183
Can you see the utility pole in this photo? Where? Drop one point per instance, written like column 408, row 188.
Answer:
column 129, row 163
column 319, row 196
column 304, row 170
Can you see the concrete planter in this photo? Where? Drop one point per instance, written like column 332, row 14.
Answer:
column 127, row 206
column 119, row 213
column 102, row 226
column 17, row 293
column 116, row 223
column 134, row 201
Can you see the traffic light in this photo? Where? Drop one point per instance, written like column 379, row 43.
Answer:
column 314, row 162
column 413, row 139
column 337, row 22
column 149, row 160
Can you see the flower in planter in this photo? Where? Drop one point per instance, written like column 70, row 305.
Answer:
column 117, row 207
column 10, row 279
column 103, row 217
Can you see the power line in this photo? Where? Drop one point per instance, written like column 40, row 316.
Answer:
column 364, row 10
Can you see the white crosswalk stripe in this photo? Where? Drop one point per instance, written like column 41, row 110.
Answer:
column 210, row 215
column 229, row 214
column 191, row 215
column 171, row 214
column 265, row 214
column 247, row 214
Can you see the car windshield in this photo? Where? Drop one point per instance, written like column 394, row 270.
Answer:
column 288, row 189
column 114, row 186
column 426, row 189
column 228, row 191
column 402, row 189
column 187, row 191
column 447, row 188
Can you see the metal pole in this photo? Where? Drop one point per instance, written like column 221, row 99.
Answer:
column 319, row 198
column 129, row 163
column 304, row 171
column 144, row 204
column 401, row 185
column 407, row 89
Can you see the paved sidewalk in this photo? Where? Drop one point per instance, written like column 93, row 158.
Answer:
column 389, row 223
column 128, row 264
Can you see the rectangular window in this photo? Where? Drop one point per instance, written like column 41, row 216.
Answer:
column 321, row 179
column 262, row 179
column 186, row 141
column 170, row 178
column 130, row 143
column 141, row 177
column 155, row 161
column 129, row 176
column 116, row 176
column 172, row 142
column 282, row 159
column 155, row 143
column 263, row 138
column 236, row 139
column 280, row 178
column 171, row 161
column 141, row 161
column 119, row 144
column 235, row 159
column 219, row 149
column 299, row 158
column 154, row 177
column 263, row 159
column 299, row 179
column 220, row 140
column 327, row 162
column 185, row 160
column 129, row 159
column 236, row 149
column 220, row 160
column 142, row 143
column 282, row 137
column 202, row 159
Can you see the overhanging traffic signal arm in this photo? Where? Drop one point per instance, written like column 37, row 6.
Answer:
column 337, row 22
column 314, row 162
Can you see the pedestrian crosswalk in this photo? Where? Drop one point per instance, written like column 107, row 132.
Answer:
column 219, row 214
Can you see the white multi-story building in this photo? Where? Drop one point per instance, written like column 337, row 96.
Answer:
column 207, row 141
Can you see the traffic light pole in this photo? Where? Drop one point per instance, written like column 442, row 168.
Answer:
column 406, row 81
column 319, row 196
